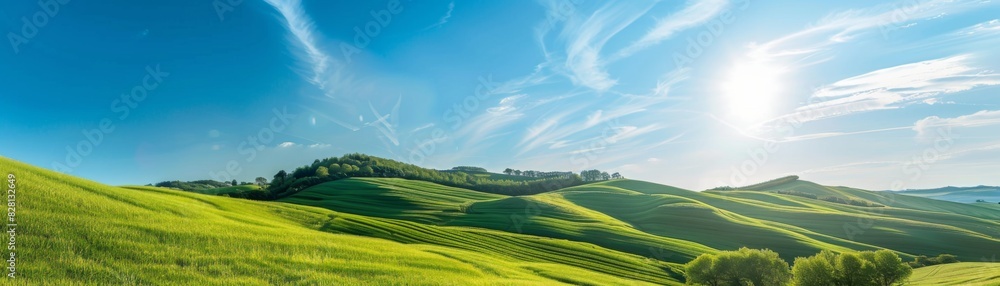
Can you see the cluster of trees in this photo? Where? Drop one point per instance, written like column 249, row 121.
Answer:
column 921, row 261
column 469, row 169
column 597, row 175
column 875, row 268
column 839, row 200
column 764, row 267
column 360, row 165
column 193, row 185
column 536, row 174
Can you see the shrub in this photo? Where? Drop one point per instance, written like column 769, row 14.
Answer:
column 742, row 267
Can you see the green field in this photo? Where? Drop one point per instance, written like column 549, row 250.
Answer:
column 74, row 231
column 382, row 231
column 967, row 273
column 673, row 224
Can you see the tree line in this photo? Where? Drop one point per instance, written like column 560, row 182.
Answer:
column 764, row 267
column 359, row 165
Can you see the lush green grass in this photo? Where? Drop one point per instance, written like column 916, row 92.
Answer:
column 73, row 231
column 377, row 231
column 967, row 273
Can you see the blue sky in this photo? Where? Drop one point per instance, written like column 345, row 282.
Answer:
column 696, row 94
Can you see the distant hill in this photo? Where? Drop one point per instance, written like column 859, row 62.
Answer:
column 989, row 194
column 673, row 224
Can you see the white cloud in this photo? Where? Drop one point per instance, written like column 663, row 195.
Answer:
column 287, row 145
column 319, row 145
column 423, row 127
column 585, row 37
column 985, row 28
column 302, row 28
column 444, row 19
column 924, row 126
column 895, row 87
column 696, row 13
column 845, row 26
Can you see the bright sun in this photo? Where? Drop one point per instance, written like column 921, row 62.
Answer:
column 750, row 91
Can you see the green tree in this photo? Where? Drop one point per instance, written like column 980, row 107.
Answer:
column 279, row 178
column 701, row 271
column 889, row 268
column 322, row 172
column 853, row 270
column 742, row 267
column 335, row 169
column 815, row 270
column 261, row 181
column 234, row 183
column 366, row 171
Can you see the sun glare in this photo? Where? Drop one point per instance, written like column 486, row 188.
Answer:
column 750, row 91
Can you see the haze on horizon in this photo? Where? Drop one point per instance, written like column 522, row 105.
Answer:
column 694, row 94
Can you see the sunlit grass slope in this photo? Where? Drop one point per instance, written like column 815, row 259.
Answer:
column 73, row 231
column 966, row 273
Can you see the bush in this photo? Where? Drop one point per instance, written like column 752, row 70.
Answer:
column 742, row 267
column 882, row 268
column 922, row 261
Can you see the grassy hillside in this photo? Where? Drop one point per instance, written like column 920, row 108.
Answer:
column 971, row 274
column 673, row 224
column 74, row 231
column 378, row 231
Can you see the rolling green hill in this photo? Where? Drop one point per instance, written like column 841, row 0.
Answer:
column 673, row 224
column 74, row 231
column 385, row 231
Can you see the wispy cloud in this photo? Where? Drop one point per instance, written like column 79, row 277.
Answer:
column 845, row 26
column 319, row 145
column 584, row 39
column 444, row 19
column 981, row 118
column 304, row 33
column 987, row 28
column 697, row 12
column 895, row 87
